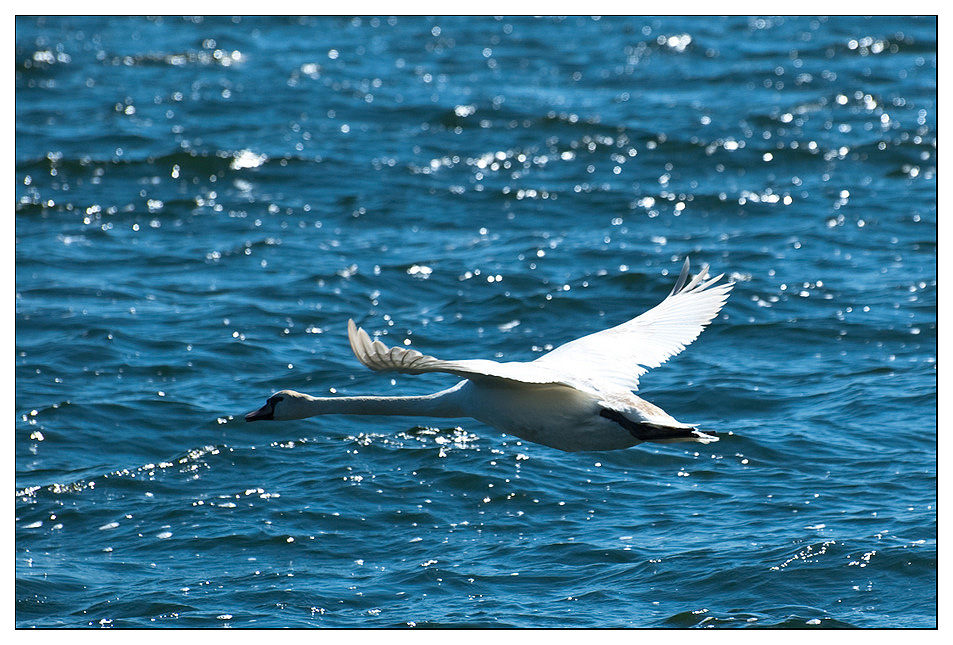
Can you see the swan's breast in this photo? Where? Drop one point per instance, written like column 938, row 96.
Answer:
column 553, row 415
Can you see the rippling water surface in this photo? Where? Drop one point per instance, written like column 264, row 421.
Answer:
column 202, row 204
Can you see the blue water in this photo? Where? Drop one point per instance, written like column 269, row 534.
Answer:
column 203, row 203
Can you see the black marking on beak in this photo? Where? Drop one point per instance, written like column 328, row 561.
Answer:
column 264, row 413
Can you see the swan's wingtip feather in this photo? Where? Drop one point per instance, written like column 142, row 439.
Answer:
column 354, row 339
column 361, row 345
column 683, row 284
column 682, row 277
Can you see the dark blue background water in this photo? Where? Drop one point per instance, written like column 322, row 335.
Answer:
column 202, row 204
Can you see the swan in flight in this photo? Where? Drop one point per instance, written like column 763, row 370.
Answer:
column 578, row 396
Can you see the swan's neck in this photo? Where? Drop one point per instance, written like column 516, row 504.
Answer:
column 446, row 403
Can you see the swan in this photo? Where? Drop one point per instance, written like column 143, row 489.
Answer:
column 579, row 396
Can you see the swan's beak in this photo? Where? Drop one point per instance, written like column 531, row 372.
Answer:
column 264, row 413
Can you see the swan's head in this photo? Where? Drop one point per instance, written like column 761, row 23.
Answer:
column 282, row 406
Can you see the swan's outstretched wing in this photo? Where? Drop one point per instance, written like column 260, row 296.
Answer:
column 378, row 356
column 611, row 359
column 618, row 356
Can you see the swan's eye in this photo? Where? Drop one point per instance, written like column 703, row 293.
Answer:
column 275, row 400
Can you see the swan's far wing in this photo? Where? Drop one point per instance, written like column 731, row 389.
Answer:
column 618, row 356
column 379, row 357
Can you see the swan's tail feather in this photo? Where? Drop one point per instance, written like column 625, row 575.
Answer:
column 658, row 433
column 699, row 436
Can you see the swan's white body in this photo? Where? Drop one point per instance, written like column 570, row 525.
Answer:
column 579, row 396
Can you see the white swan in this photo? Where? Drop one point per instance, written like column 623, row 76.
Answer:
column 576, row 397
